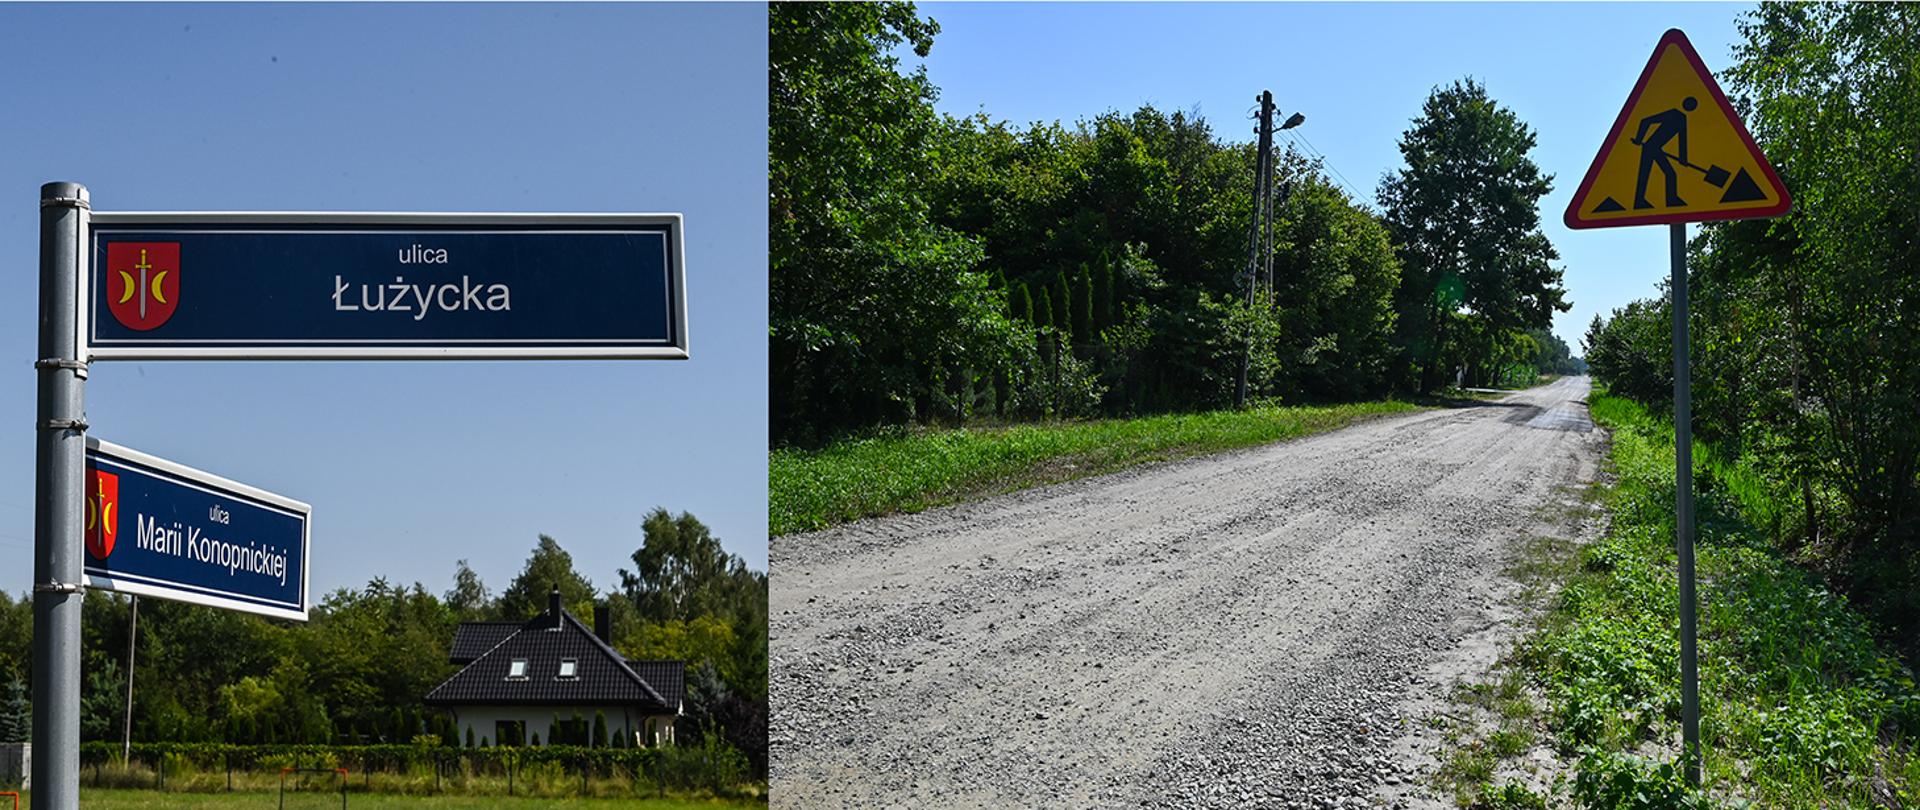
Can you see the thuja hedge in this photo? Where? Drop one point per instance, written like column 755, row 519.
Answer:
column 217, row 756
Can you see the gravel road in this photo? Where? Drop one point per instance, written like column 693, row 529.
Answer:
column 1248, row 629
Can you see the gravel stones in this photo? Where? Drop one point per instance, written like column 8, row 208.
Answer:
column 1241, row 630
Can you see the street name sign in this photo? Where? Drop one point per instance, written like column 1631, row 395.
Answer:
column 320, row 286
column 156, row 528
column 1677, row 153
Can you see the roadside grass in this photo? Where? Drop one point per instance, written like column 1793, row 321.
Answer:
column 907, row 471
column 1800, row 706
column 527, row 780
column 123, row 799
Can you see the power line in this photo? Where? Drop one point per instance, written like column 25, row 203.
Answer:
column 1324, row 160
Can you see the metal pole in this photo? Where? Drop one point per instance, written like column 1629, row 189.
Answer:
column 59, row 499
column 1683, row 510
column 133, row 633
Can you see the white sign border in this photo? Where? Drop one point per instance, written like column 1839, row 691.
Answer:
column 677, row 349
column 209, row 480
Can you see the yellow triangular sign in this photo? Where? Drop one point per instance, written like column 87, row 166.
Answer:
column 1677, row 153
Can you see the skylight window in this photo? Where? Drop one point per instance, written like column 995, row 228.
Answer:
column 569, row 668
column 517, row 670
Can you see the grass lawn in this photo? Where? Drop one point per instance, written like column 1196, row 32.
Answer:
column 115, row 799
column 904, row 471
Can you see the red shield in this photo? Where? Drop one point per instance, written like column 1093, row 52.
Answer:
column 143, row 283
column 103, row 513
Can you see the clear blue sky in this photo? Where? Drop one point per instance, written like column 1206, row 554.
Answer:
column 410, row 466
column 1359, row 72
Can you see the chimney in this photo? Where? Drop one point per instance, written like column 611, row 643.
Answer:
column 553, row 605
column 603, row 623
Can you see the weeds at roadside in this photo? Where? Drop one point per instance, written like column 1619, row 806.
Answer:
column 1502, row 724
column 1800, row 706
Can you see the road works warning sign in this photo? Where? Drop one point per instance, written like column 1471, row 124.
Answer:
column 1677, row 153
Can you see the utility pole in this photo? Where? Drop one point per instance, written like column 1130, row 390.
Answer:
column 1257, row 243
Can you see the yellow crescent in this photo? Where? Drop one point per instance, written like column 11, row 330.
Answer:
column 156, row 286
column 106, row 518
column 92, row 513
column 126, row 290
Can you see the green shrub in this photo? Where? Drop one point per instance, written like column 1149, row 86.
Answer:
column 1628, row 782
column 1510, row 796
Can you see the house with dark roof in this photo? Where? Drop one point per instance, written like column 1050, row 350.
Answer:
column 516, row 677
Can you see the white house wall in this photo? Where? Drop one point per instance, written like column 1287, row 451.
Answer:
column 482, row 719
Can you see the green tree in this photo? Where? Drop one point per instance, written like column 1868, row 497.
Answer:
column 16, row 636
column 1103, row 297
column 1551, row 354
column 1632, row 351
column 698, row 604
column 1062, row 307
column 873, row 306
column 681, row 571
column 469, row 598
column 101, row 692
column 16, row 713
column 1083, row 324
column 1836, row 99
column 548, row 567
column 369, row 651
column 1334, row 277
column 599, row 729
column 1465, row 215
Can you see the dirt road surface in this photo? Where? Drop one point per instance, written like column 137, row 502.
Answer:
column 1256, row 628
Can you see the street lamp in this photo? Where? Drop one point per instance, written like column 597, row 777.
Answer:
column 1261, row 233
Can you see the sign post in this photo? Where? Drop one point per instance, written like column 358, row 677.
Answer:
column 59, row 474
column 1683, row 508
column 1677, row 116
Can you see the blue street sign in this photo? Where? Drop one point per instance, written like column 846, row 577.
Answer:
column 156, row 528
column 384, row 286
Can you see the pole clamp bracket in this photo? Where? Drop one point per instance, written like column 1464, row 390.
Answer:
column 59, row 587
column 78, row 367
column 65, row 202
column 66, row 424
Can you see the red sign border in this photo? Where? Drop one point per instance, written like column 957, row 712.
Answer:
column 1675, row 36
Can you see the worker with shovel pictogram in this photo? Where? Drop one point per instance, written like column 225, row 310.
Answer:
column 1669, row 125
column 1672, row 126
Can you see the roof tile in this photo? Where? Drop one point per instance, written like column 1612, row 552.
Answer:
column 601, row 674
